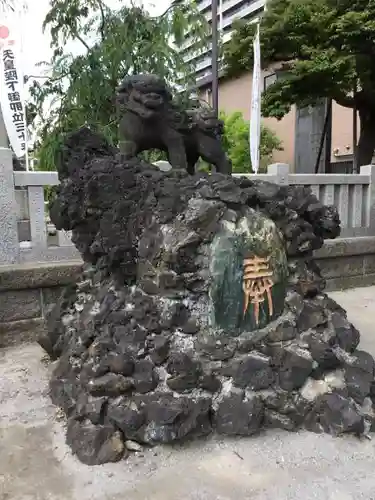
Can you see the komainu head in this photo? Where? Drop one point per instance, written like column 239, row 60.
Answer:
column 205, row 119
column 143, row 95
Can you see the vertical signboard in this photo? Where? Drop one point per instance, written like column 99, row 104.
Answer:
column 12, row 100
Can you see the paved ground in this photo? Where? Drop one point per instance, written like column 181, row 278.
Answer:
column 35, row 464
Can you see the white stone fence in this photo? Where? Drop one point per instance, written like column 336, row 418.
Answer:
column 26, row 235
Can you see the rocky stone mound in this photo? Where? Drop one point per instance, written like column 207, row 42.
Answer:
column 200, row 309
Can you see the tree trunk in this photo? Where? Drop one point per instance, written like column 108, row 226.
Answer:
column 366, row 143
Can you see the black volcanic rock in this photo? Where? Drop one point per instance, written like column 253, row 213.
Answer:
column 253, row 371
column 236, row 415
column 164, row 338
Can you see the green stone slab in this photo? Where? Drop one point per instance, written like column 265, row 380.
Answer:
column 252, row 236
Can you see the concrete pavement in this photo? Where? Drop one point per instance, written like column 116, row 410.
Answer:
column 360, row 306
column 35, row 463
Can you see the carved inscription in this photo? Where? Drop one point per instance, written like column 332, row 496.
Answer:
column 257, row 284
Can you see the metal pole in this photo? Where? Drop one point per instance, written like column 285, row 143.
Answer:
column 325, row 138
column 214, row 60
column 355, row 140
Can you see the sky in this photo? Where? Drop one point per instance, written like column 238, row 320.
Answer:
column 36, row 43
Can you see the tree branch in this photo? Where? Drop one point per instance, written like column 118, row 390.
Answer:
column 102, row 24
column 7, row 3
column 41, row 77
column 82, row 41
column 174, row 4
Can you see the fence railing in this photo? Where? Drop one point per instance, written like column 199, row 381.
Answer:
column 27, row 236
column 352, row 194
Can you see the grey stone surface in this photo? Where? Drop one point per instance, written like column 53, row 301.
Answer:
column 346, row 247
column 36, row 464
column 347, row 282
column 336, row 267
column 39, row 275
column 347, row 262
column 9, row 248
column 369, row 264
column 37, row 216
column 27, row 294
column 35, row 178
column 360, row 303
column 49, row 254
column 3, row 133
column 18, row 332
column 280, row 171
column 22, row 313
column 24, row 233
column 22, row 203
column 370, row 202
column 20, row 304
column 64, row 238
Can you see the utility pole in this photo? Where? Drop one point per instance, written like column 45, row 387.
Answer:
column 214, row 60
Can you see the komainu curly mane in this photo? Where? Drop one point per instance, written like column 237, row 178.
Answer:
column 144, row 95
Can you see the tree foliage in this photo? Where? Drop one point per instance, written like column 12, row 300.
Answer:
column 7, row 4
column 13, row 5
column 237, row 146
column 326, row 48
column 80, row 89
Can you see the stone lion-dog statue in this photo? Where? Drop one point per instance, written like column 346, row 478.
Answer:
column 150, row 119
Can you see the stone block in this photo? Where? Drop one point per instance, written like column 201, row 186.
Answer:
column 17, row 332
column 24, row 233
column 22, row 203
column 39, row 275
column 20, row 304
column 9, row 247
column 369, row 264
column 344, row 247
column 337, row 267
column 345, row 282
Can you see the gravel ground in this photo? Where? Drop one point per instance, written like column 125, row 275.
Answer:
column 35, row 463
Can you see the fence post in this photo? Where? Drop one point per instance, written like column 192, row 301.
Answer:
column 281, row 171
column 9, row 244
column 64, row 238
column 37, row 217
column 370, row 208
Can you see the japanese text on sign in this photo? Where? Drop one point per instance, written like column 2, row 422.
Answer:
column 11, row 102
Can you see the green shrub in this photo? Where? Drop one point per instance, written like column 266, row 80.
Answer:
column 237, row 144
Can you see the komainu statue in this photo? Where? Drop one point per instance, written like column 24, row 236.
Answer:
column 150, row 119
